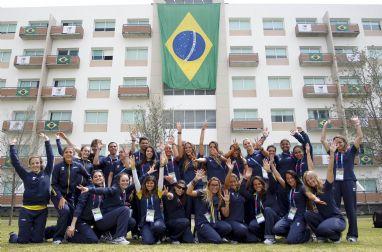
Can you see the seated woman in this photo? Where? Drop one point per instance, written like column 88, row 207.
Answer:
column 328, row 223
column 33, row 214
column 208, row 203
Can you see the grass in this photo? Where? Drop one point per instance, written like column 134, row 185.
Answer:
column 370, row 239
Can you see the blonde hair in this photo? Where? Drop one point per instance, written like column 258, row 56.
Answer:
column 208, row 197
column 40, row 158
column 320, row 184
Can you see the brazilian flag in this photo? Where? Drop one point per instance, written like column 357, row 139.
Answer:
column 366, row 159
column 23, row 91
column 30, row 30
column 51, row 125
column 342, row 27
column 315, row 57
column 64, row 59
column 322, row 122
column 189, row 37
column 354, row 88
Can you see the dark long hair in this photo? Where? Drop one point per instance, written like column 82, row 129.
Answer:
column 296, row 178
column 153, row 158
column 145, row 192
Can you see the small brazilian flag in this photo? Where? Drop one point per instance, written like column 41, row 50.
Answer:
column 189, row 35
column 21, row 91
column 315, row 56
column 51, row 125
column 322, row 122
column 366, row 159
column 30, row 30
column 64, row 59
column 342, row 27
column 354, row 88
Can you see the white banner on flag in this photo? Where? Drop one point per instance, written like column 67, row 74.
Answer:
column 16, row 125
column 304, row 27
column 353, row 57
column 71, row 29
column 23, row 60
column 325, row 159
column 58, row 91
column 320, row 89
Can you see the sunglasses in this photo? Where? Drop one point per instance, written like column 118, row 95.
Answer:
column 180, row 187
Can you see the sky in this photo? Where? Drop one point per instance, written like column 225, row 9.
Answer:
column 40, row 3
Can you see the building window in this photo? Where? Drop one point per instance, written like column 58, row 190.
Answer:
column 2, row 83
column 245, row 114
column 99, row 84
column 136, row 53
column 371, row 24
column 71, row 52
column 282, row 115
column 71, row 22
column 104, row 25
column 339, row 21
column 129, row 117
column 171, row 91
column 319, row 149
column 314, row 80
column 306, row 20
column 243, row 83
column 135, row 81
column 278, row 82
column 102, row 54
column 345, row 80
column 43, row 24
column 138, row 21
column 23, row 115
column 276, row 52
column 309, row 50
column 318, row 114
column 7, row 28
column 238, row 24
column 33, row 52
column 345, row 50
column 374, row 52
column 191, row 119
column 5, row 55
column 241, row 49
column 187, row 1
column 96, row 117
column 60, row 115
column 28, row 83
column 273, row 24
column 64, row 83
column 370, row 185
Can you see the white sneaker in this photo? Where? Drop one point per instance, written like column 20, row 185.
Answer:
column 56, row 242
column 234, row 242
column 352, row 239
column 269, row 241
column 106, row 238
column 121, row 241
column 337, row 242
column 159, row 242
column 175, row 242
column 225, row 240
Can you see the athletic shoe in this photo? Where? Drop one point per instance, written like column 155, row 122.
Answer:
column 135, row 237
column 175, row 242
column 224, row 240
column 320, row 240
column 352, row 239
column 57, row 242
column 337, row 242
column 269, row 241
column 106, row 238
column 121, row 241
column 159, row 242
column 12, row 237
column 234, row 242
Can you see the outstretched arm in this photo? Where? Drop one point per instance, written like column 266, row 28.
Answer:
column 323, row 136
column 309, row 158
column 201, row 139
column 359, row 134
column 272, row 167
column 330, row 172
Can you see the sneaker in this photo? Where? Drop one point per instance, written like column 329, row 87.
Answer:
column 135, row 237
column 175, row 242
column 269, row 241
column 121, row 241
column 159, row 242
column 337, row 242
column 234, row 242
column 12, row 237
column 57, row 242
column 352, row 239
column 224, row 240
column 106, row 238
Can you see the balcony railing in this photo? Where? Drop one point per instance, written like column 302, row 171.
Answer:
column 136, row 30
column 311, row 30
column 316, row 59
column 250, row 124
column 243, row 59
column 67, row 32
column 320, row 91
column 133, row 91
column 33, row 33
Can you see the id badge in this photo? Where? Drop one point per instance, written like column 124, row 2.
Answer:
column 131, row 213
column 265, row 174
column 260, row 218
column 208, row 216
column 97, row 214
column 172, row 174
column 150, row 215
column 340, row 174
column 292, row 213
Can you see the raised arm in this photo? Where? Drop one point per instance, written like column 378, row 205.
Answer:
column 228, row 176
column 180, row 141
column 59, row 145
column 133, row 141
column 330, row 172
column 243, row 187
column 359, row 134
column 199, row 174
column 225, row 208
column 201, row 139
column 49, row 154
column 272, row 167
column 15, row 161
column 323, row 136
column 96, row 160
column 309, row 159
column 67, row 140
column 163, row 162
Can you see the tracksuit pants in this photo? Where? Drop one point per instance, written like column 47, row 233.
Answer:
column 180, row 230
column 330, row 228
column 153, row 231
column 213, row 232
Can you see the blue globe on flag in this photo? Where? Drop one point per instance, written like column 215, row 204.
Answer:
column 189, row 45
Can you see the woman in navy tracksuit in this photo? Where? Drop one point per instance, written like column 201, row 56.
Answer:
column 239, row 163
column 149, row 162
column 34, row 212
column 301, row 152
column 328, row 222
column 208, row 203
column 255, row 158
column 65, row 178
column 345, row 186
column 113, row 211
column 177, row 223
column 292, row 225
column 171, row 169
column 234, row 213
column 149, row 196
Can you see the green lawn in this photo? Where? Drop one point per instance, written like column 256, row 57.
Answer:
column 370, row 240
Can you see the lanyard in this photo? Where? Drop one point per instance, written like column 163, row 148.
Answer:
column 340, row 160
column 298, row 166
column 291, row 198
column 257, row 163
column 235, row 164
column 152, row 203
column 99, row 200
column 213, row 159
column 256, row 204
column 67, row 189
column 123, row 197
column 212, row 211
column 172, row 163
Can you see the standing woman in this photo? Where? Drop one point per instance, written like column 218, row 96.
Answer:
column 34, row 212
column 345, row 186
column 256, row 156
column 303, row 154
column 208, row 203
column 328, row 223
column 239, row 163
column 148, row 164
column 292, row 225
column 171, row 169
column 149, row 195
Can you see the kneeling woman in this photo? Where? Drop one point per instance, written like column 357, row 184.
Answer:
column 328, row 223
column 292, row 225
column 114, row 212
column 34, row 212
column 208, row 203
column 149, row 195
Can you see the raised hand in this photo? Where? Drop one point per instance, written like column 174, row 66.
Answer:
column 326, row 124
column 82, row 188
column 133, row 134
column 61, row 134
column 152, row 169
column 132, row 162
column 266, row 165
column 248, row 173
column 199, row 174
column 266, row 132
column 307, row 148
column 333, row 147
column 163, row 159
column 293, row 132
column 42, row 135
column 229, row 164
column 355, row 120
column 226, row 196
column 205, row 125
column 300, row 129
column 179, row 127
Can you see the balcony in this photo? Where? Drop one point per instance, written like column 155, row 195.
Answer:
column 136, row 31
column 316, row 59
column 345, row 59
column 319, row 91
column 59, row 93
column 311, row 30
column 62, row 61
column 313, row 124
column 67, row 32
column 54, row 126
column 254, row 124
column 33, row 33
column 28, row 62
column 17, row 126
column 354, row 90
column 350, row 30
column 132, row 91
column 18, row 92
column 243, row 59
